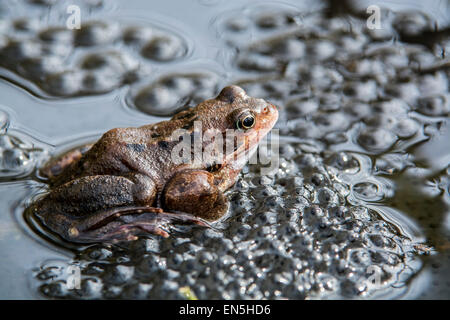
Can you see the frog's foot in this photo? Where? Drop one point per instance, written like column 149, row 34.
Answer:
column 55, row 166
column 126, row 223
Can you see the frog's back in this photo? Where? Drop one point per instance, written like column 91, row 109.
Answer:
column 113, row 154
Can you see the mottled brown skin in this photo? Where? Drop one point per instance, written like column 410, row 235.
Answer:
column 118, row 187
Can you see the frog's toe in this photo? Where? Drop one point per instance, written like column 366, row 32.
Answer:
column 127, row 223
column 115, row 232
column 177, row 217
column 130, row 232
column 115, row 224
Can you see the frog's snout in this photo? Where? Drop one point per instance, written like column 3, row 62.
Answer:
column 270, row 112
column 270, row 109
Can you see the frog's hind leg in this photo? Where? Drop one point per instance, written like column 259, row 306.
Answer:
column 56, row 166
column 104, row 207
column 125, row 223
column 120, row 224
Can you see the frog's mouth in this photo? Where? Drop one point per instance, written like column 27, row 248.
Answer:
column 245, row 148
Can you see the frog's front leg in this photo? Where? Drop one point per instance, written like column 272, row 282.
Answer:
column 104, row 208
column 56, row 166
column 195, row 192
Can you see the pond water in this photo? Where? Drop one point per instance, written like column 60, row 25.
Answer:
column 359, row 204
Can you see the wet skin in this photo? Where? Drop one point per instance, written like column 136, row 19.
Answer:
column 128, row 182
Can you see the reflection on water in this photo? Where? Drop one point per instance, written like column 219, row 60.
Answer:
column 368, row 186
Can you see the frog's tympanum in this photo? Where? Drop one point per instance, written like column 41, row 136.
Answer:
column 129, row 183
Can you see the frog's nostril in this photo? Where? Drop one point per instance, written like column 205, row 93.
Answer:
column 269, row 108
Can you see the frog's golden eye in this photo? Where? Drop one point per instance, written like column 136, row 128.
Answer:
column 245, row 121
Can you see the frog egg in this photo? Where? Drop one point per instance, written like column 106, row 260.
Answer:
column 171, row 92
column 164, row 48
column 362, row 91
column 301, row 106
column 273, row 20
column 94, row 3
column 136, row 291
column 367, row 191
column 38, row 67
column 335, row 138
column 317, row 76
column 330, row 101
column 16, row 51
column 351, row 44
column 393, row 107
column 331, row 122
column 43, row 2
column 321, row 49
column 422, row 59
column 57, row 35
column 119, row 274
column 100, row 81
column 25, row 25
column 91, row 288
column 406, row 128
column 366, row 67
column 438, row 105
column 327, row 197
column 196, row 87
column 343, row 161
column 408, row 91
column 304, row 129
column 433, row 84
column 385, row 121
column 137, row 35
column 179, row 85
column 66, row 83
column 96, row 33
column 412, row 23
column 357, row 109
column 258, row 62
column 154, row 100
column 113, row 61
column 376, row 140
column 283, row 47
column 237, row 24
column 56, row 289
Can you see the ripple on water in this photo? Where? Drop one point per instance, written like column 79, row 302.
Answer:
column 19, row 153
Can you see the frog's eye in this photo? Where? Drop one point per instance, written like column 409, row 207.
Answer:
column 245, row 121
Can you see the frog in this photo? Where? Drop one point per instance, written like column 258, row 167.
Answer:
column 128, row 183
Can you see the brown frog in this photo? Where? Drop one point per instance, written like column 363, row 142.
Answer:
column 128, row 182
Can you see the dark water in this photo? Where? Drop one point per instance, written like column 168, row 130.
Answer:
column 363, row 182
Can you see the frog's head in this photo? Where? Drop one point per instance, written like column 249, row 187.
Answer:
column 248, row 116
column 234, row 112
